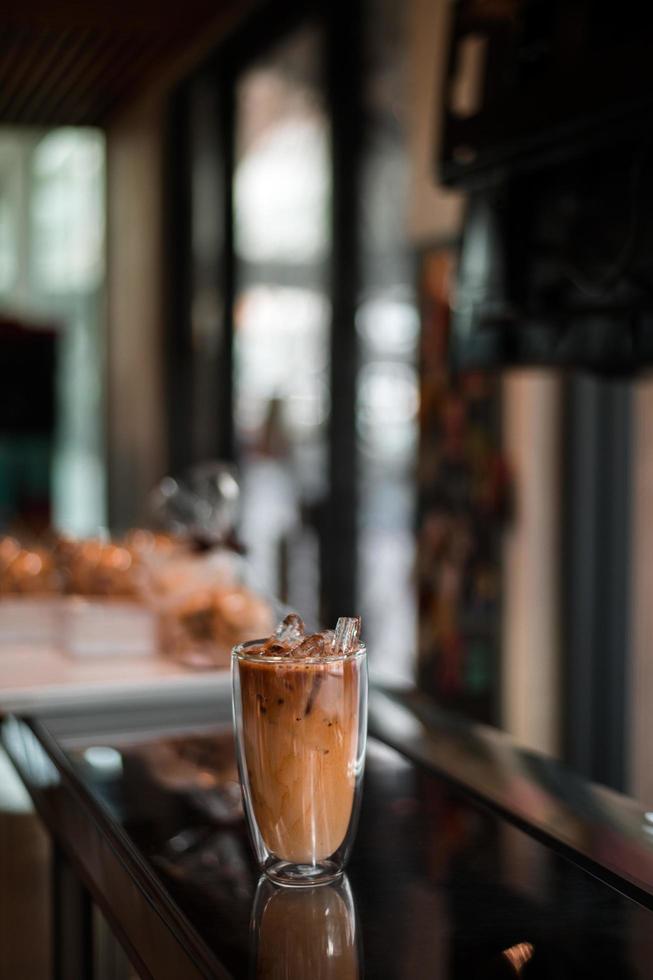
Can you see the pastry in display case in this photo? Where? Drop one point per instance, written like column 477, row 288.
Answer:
column 30, row 583
column 200, row 590
column 181, row 589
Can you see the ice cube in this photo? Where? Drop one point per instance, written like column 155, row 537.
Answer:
column 291, row 629
column 329, row 638
column 255, row 649
column 347, row 633
column 312, row 646
column 275, row 649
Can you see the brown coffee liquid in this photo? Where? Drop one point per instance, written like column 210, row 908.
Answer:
column 300, row 727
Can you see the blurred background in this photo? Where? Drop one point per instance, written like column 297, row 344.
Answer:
column 390, row 261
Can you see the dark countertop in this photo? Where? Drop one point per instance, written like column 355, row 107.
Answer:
column 443, row 878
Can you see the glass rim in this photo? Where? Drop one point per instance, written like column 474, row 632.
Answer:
column 239, row 652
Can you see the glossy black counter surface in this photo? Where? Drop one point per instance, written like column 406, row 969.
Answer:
column 442, row 886
column 605, row 832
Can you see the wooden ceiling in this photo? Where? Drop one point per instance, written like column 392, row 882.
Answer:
column 73, row 62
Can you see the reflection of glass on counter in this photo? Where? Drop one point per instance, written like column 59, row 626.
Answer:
column 297, row 933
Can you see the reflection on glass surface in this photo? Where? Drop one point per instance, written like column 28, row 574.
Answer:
column 444, row 888
column 518, row 956
column 297, row 933
column 105, row 760
column 27, row 751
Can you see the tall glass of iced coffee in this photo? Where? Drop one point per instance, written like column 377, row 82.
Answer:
column 300, row 716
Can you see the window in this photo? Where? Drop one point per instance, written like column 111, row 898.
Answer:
column 52, row 273
column 282, row 312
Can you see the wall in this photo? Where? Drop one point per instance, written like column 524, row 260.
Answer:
column 532, row 433
column 136, row 421
column 434, row 213
column 136, row 409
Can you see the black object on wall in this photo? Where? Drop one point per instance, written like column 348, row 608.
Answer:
column 545, row 107
column 27, row 403
column 533, row 82
column 556, row 268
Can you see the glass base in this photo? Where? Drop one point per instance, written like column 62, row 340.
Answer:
column 302, row 875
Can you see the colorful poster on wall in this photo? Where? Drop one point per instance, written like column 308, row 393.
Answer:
column 463, row 503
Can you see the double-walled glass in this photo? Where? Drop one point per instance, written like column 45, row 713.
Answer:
column 300, row 735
